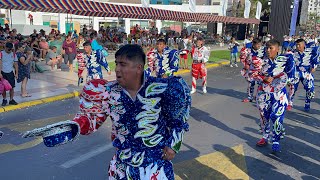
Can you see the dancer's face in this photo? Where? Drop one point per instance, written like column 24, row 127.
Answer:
column 272, row 51
column 127, row 72
column 257, row 46
column 160, row 46
column 301, row 46
column 199, row 43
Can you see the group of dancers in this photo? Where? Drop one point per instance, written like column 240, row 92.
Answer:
column 273, row 71
column 149, row 109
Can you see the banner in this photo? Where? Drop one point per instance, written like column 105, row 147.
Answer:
column 192, row 5
column 247, row 6
column 259, row 8
column 224, row 7
column 294, row 18
column 145, row 3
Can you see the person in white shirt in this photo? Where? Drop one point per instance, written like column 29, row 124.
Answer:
column 9, row 71
column 200, row 56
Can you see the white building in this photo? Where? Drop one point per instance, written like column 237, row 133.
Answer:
column 314, row 7
column 59, row 21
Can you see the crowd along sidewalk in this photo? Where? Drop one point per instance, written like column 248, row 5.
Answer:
column 58, row 85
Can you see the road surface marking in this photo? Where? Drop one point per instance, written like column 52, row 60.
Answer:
column 86, row 156
column 227, row 164
column 21, row 127
column 4, row 148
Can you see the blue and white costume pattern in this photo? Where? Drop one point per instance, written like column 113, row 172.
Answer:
column 160, row 103
column 246, row 58
column 141, row 127
column 305, row 62
column 94, row 61
column 163, row 64
column 272, row 98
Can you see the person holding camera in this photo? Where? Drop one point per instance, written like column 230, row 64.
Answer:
column 25, row 56
column 9, row 71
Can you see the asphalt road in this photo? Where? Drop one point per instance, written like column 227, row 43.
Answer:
column 219, row 145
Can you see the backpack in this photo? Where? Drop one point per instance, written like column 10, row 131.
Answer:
column 181, row 45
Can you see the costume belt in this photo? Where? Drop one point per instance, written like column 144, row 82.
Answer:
column 198, row 61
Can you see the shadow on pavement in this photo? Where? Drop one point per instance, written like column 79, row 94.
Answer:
column 227, row 92
column 263, row 170
column 187, row 169
column 294, row 153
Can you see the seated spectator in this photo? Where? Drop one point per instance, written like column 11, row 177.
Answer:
column 44, row 47
column 58, row 43
column 52, row 58
column 35, row 46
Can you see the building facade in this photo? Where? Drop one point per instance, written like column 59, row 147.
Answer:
column 67, row 22
column 314, row 7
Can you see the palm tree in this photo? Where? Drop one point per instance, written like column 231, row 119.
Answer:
column 238, row 8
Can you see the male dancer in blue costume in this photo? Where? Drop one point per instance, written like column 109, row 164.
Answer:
column 162, row 60
column 94, row 59
column 149, row 117
column 249, row 66
column 271, row 96
column 306, row 60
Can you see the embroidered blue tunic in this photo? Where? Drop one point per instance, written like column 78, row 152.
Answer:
column 163, row 64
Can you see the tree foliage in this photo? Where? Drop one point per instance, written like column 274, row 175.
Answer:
column 238, row 8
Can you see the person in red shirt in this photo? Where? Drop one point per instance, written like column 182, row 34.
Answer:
column 31, row 18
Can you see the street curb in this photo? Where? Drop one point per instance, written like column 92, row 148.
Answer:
column 77, row 93
column 208, row 66
column 39, row 101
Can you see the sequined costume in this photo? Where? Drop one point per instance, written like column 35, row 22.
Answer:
column 94, row 61
column 96, row 46
column 304, row 62
column 81, row 63
column 142, row 127
column 163, row 64
column 246, row 57
column 272, row 98
column 200, row 56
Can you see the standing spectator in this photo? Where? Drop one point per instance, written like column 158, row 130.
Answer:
column 31, row 18
column 70, row 51
column 233, row 47
column 184, row 51
column 8, row 61
column 44, row 47
column 25, row 56
column 80, row 42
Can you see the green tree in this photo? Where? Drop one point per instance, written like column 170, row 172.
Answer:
column 238, row 8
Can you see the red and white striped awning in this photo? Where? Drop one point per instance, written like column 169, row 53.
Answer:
column 98, row 9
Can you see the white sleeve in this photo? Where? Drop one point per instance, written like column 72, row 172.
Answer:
column 206, row 54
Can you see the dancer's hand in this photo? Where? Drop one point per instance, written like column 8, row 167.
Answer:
column 168, row 153
column 268, row 79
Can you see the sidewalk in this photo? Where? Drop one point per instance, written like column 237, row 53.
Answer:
column 51, row 86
